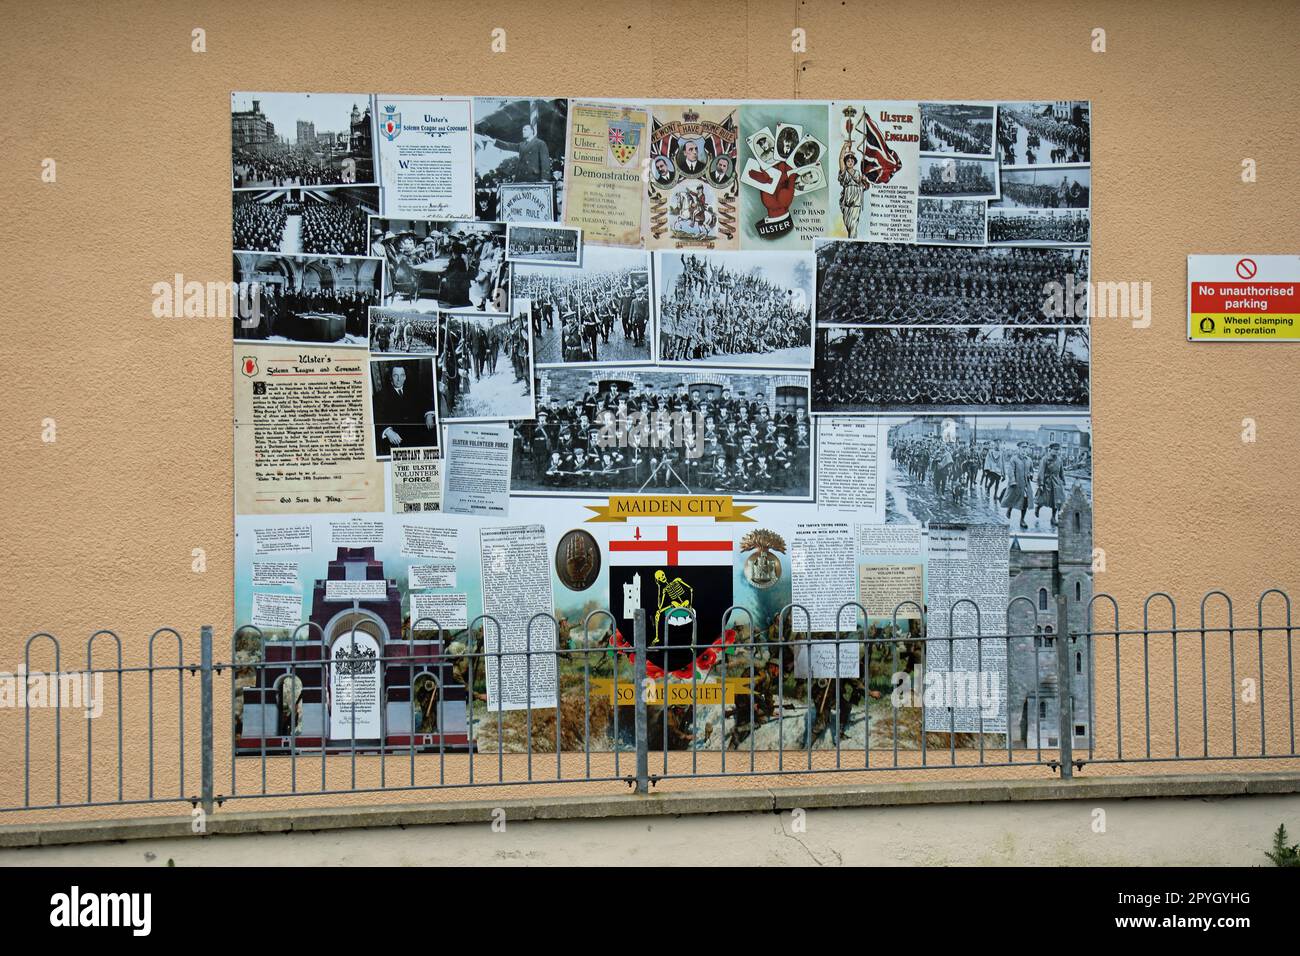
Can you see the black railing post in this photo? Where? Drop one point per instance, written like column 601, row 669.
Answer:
column 642, row 721
column 1064, row 699
column 205, row 716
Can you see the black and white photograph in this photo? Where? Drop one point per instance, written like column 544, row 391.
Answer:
column 403, row 409
column 666, row 431
column 986, row 469
column 1061, row 227
column 443, row 264
column 310, row 299
column 982, row 369
column 485, row 366
column 301, row 139
column 1061, row 187
column 1052, row 132
column 959, row 129
column 735, row 308
column 325, row 221
column 947, row 177
column 597, row 314
column 875, row 283
column 544, row 245
column 951, row 222
column 403, row 331
column 519, row 143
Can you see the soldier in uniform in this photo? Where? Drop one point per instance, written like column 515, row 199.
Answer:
column 1016, row 497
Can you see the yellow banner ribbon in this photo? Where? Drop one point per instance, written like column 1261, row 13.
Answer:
column 680, row 693
column 638, row 507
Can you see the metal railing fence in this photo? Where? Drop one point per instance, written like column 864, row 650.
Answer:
column 1031, row 692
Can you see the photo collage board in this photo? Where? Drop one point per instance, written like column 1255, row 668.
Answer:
column 781, row 375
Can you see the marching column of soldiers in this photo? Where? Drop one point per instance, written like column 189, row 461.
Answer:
column 589, row 308
column 1022, row 478
column 666, row 438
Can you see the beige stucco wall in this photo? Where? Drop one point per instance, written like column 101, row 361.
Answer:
column 100, row 524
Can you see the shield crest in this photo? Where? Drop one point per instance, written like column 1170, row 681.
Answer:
column 249, row 365
column 624, row 140
column 390, row 124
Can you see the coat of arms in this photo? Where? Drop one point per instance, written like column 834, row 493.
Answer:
column 624, row 140
column 390, row 124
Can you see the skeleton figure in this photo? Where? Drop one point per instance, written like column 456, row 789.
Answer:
column 672, row 594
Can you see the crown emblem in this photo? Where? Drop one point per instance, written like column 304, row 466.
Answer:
column 690, row 116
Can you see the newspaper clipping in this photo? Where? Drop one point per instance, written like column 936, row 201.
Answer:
column 517, row 586
column 417, row 480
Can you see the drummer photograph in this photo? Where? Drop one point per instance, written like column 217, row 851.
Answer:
column 443, row 264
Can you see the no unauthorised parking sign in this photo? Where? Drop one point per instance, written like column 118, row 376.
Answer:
column 1243, row 298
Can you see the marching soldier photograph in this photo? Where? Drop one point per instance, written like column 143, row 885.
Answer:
column 596, row 313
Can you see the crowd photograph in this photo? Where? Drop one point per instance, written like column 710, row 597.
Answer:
column 402, row 406
column 301, row 139
column 443, row 264
column 946, row 177
column 1032, row 134
column 403, row 331
column 735, row 308
column 518, row 141
column 963, row 370
column 655, row 431
column 320, row 300
column 979, row 469
column 549, row 245
column 963, row 129
column 1062, row 227
column 871, row 283
column 304, row 221
column 598, row 313
column 485, row 366
column 954, row 222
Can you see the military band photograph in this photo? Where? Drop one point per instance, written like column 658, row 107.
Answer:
column 735, row 308
column 981, row 369
column 665, row 431
column 544, row 245
column 443, row 264
column 986, row 469
column 1032, row 134
column 485, row 366
column 324, row 221
column 301, row 139
column 308, row 299
column 594, row 314
column 402, row 404
column 959, row 129
column 403, row 331
column 876, row 283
